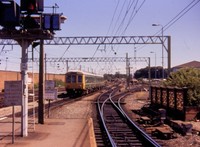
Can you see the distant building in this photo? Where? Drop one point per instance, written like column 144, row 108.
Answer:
column 192, row 64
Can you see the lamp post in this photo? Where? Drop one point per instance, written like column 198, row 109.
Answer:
column 162, row 48
column 6, row 63
column 155, row 65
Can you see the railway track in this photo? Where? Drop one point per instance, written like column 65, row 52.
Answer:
column 116, row 128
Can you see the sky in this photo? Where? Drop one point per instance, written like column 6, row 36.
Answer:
column 119, row 18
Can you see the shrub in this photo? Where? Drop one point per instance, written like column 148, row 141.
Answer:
column 187, row 77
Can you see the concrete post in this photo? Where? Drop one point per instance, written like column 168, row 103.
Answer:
column 24, row 78
column 41, row 85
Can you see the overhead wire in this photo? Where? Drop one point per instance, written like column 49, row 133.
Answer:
column 112, row 20
column 132, row 10
column 176, row 18
column 130, row 4
column 65, row 51
column 134, row 13
column 118, row 18
column 168, row 25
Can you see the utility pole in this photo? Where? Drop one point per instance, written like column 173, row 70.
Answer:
column 24, row 77
column 25, row 24
column 162, row 31
column 155, row 77
column 45, row 59
column 67, row 66
column 41, row 85
column 127, row 70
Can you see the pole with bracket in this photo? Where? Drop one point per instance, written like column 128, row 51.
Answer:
column 41, row 85
column 24, row 77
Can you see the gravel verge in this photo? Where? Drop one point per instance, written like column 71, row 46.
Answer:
column 138, row 100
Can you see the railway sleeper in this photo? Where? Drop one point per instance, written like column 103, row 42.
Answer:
column 133, row 142
column 97, row 131
column 129, row 141
column 117, row 130
column 100, row 142
column 114, row 121
column 117, row 124
column 113, row 117
column 98, row 135
column 125, row 138
column 122, row 134
column 139, row 144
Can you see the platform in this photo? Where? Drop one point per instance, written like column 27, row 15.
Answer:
column 54, row 133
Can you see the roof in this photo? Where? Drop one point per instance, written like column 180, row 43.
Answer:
column 82, row 72
column 193, row 64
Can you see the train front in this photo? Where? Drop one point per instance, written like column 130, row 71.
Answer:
column 74, row 83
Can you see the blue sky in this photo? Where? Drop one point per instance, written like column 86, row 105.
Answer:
column 96, row 18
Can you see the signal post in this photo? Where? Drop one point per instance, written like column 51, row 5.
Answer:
column 21, row 24
column 25, row 41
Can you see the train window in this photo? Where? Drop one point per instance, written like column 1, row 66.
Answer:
column 68, row 79
column 79, row 78
column 73, row 78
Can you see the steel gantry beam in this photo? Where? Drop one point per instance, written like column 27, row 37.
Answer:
column 94, row 59
column 98, row 40
column 106, row 40
column 109, row 40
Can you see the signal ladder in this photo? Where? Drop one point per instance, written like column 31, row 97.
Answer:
column 31, row 93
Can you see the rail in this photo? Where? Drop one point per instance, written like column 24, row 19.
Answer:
column 104, row 125
column 120, row 118
column 144, row 135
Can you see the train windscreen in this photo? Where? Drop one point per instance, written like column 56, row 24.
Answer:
column 69, row 79
column 73, row 79
column 80, row 79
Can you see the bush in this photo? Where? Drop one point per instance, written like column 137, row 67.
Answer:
column 59, row 83
column 190, row 78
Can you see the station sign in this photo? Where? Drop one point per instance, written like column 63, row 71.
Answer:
column 51, row 94
column 49, row 84
column 13, row 93
column 50, row 91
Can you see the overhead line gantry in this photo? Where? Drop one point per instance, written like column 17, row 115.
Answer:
column 94, row 59
column 96, row 40
column 104, row 40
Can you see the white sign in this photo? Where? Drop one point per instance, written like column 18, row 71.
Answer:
column 51, row 94
column 50, row 91
column 13, row 93
column 49, row 84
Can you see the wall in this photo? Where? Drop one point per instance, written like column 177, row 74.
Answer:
column 14, row 76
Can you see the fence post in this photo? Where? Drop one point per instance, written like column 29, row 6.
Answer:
column 185, row 96
column 175, row 98
column 185, row 100
column 161, row 96
column 150, row 94
column 167, row 90
column 156, row 96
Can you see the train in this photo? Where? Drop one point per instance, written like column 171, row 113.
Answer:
column 79, row 83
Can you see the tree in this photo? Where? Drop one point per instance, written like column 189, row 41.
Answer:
column 190, row 78
column 144, row 72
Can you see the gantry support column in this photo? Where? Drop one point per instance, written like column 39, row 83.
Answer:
column 41, row 85
column 24, row 77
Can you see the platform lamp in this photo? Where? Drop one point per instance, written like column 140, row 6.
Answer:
column 162, row 48
column 155, row 64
